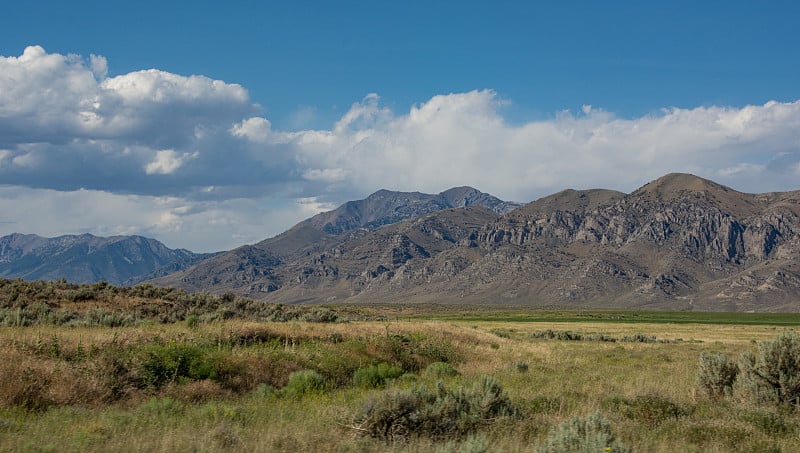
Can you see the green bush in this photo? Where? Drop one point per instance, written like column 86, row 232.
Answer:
column 716, row 374
column 440, row 370
column 304, row 382
column 376, row 375
column 321, row 315
column 264, row 391
column 443, row 414
column 772, row 374
column 158, row 364
column 583, row 435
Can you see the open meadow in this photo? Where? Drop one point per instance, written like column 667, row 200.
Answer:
column 421, row 379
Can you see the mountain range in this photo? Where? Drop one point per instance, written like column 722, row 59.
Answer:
column 119, row 260
column 680, row 243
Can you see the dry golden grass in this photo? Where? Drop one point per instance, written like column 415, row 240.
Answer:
column 563, row 379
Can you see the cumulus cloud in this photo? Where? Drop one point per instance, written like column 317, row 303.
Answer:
column 462, row 138
column 254, row 129
column 190, row 158
column 65, row 123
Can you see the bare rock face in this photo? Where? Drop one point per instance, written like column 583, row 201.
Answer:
column 680, row 242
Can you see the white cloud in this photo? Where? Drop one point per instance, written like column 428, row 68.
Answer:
column 189, row 158
column 462, row 139
column 99, row 66
column 178, row 222
column 167, row 161
column 254, row 129
column 311, row 206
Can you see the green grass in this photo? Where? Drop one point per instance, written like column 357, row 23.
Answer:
column 478, row 314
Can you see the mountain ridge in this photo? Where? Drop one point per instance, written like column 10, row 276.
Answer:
column 254, row 266
column 85, row 258
column 679, row 242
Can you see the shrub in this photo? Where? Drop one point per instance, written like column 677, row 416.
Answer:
column 640, row 338
column 376, row 375
column 772, row 374
column 552, row 335
column 440, row 370
column 583, row 435
column 521, row 366
column 321, row 315
column 768, row 423
column 437, row 349
column 28, row 388
column 304, row 382
column 648, row 409
column 192, row 320
column 161, row 364
column 392, row 416
column 107, row 318
column 443, row 414
column 264, row 390
column 716, row 374
column 601, row 337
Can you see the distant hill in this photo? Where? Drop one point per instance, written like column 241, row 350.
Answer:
column 680, row 242
column 119, row 260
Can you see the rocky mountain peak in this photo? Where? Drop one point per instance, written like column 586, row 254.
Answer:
column 683, row 187
column 676, row 185
column 385, row 207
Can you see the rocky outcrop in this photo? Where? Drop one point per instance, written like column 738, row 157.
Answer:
column 689, row 222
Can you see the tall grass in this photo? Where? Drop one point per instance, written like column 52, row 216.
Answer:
column 233, row 385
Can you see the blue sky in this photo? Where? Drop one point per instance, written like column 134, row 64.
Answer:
column 299, row 106
column 630, row 57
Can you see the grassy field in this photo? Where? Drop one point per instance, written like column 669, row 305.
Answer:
column 524, row 314
column 238, row 385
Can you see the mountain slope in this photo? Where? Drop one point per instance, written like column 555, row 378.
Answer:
column 86, row 259
column 257, row 269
